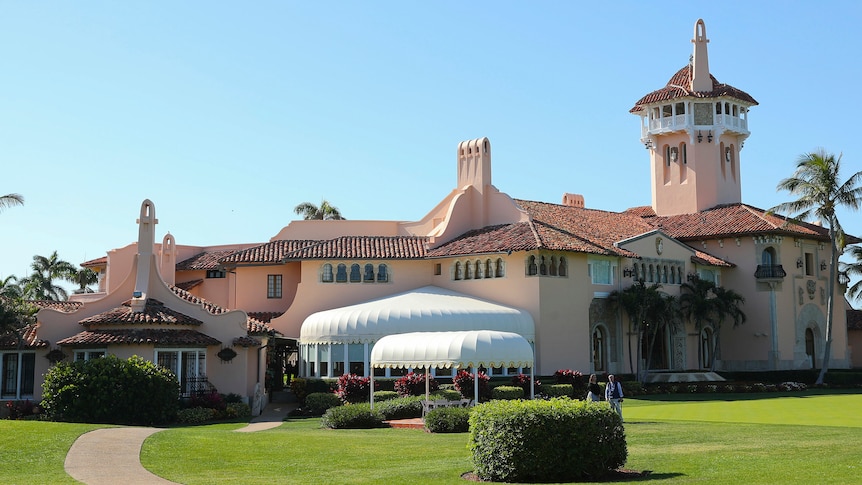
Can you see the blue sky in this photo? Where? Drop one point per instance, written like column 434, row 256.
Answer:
column 228, row 114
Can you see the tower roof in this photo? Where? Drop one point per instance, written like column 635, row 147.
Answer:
column 679, row 86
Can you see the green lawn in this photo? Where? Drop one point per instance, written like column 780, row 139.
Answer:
column 810, row 437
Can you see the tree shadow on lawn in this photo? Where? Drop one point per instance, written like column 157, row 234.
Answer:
column 620, row 475
column 742, row 396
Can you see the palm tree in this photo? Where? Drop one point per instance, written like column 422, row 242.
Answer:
column 84, row 278
column 10, row 288
column 854, row 269
column 662, row 314
column 817, row 185
column 10, row 200
column 697, row 305
column 40, row 285
column 727, row 303
column 15, row 315
column 638, row 301
column 325, row 212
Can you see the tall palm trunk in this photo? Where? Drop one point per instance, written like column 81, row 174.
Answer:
column 830, row 304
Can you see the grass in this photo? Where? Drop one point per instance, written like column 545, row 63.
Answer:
column 810, row 437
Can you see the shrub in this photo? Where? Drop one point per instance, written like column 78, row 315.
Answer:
column 318, row 403
column 237, row 410
column 573, row 377
column 232, row 398
column 559, row 440
column 414, row 385
column 507, row 392
column 401, row 408
column 558, row 390
column 353, row 388
column 380, row 396
column 447, row 394
column 632, row 388
column 87, row 391
column 523, row 381
column 196, row 415
column 20, row 409
column 448, row 420
column 211, row 399
column 303, row 387
column 463, row 381
column 352, row 416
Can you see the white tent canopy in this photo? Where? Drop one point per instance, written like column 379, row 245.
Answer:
column 462, row 349
column 425, row 309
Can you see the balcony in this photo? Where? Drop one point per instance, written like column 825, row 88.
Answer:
column 769, row 272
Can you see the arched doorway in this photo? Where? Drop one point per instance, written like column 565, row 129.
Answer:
column 809, row 347
column 600, row 363
column 655, row 349
column 706, row 337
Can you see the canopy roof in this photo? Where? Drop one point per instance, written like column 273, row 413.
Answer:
column 473, row 348
column 426, row 309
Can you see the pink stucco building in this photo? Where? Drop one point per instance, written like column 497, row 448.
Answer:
column 324, row 292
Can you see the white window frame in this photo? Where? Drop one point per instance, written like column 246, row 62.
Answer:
column 87, row 354
column 199, row 368
column 592, row 272
column 19, row 376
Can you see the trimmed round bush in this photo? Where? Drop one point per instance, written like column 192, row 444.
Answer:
column 352, row 416
column 448, row 420
column 558, row 390
column 447, row 394
column 558, row 440
column 380, row 396
column 111, row 390
column 401, row 408
column 507, row 392
column 319, row 402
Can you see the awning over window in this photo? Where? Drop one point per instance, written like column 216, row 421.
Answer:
column 474, row 348
column 427, row 309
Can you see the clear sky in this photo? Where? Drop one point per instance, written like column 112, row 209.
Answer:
column 228, row 114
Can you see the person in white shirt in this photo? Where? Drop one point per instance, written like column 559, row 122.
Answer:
column 614, row 395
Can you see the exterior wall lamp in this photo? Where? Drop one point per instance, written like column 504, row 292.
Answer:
column 799, row 262
column 699, row 136
column 628, row 272
column 822, row 265
column 709, row 137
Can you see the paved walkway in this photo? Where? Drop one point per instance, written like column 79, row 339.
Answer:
column 109, row 456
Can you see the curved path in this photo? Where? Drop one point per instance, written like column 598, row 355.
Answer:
column 109, row 456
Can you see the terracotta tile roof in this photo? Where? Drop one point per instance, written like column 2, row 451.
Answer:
column 579, row 229
column 642, row 211
column 492, row 239
column 62, row 306
column 679, row 86
column 253, row 326
column 246, row 342
column 155, row 313
column 364, row 247
column 733, row 220
column 188, row 285
column 95, row 262
column 9, row 341
column 205, row 260
column 701, row 257
column 273, row 252
column 854, row 319
column 137, row 336
column 264, row 317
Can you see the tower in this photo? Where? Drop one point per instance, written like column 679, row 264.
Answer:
column 694, row 129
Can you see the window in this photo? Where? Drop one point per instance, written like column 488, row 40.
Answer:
column 469, row 268
column 83, row 355
column 438, row 269
column 327, row 273
column 543, row 267
column 532, row 268
column 355, row 274
column 382, row 273
column 552, row 268
column 273, row 286
column 809, row 264
column 215, row 273
column 706, row 348
column 564, row 269
column 369, row 273
column 458, row 271
column 598, row 349
column 489, row 269
column 600, row 271
column 17, row 374
column 189, row 365
column 479, row 270
column 341, row 274
column 767, row 257
column 500, row 272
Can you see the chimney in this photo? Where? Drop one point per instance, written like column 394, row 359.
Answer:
column 573, row 200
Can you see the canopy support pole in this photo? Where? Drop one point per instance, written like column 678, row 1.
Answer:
column 476, row 385
column 427, row 383
column 371, row 388
column 532, row 381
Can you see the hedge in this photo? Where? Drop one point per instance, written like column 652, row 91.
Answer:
column 352, row 416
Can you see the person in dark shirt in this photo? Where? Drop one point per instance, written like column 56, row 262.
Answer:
column 594, row 391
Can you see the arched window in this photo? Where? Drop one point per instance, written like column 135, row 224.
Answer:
column 500, row 271
column 341, row 274
column 327, row 273
column 651, row 275
column 672, row 277
column 664, row 274
column 706, row 348
column 355, row 273
column 489, row 269
column 552, row 268
column 459, row 271
column 532, row 269
column 369, row 272
column 543, row 267
column 599, row 363
column 564, row 269
column 382, row 273
column 767, row 257
column 469, row 268
column 809, row 347
column 479, row 270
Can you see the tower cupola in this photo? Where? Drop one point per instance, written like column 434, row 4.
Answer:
column 694, row 129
